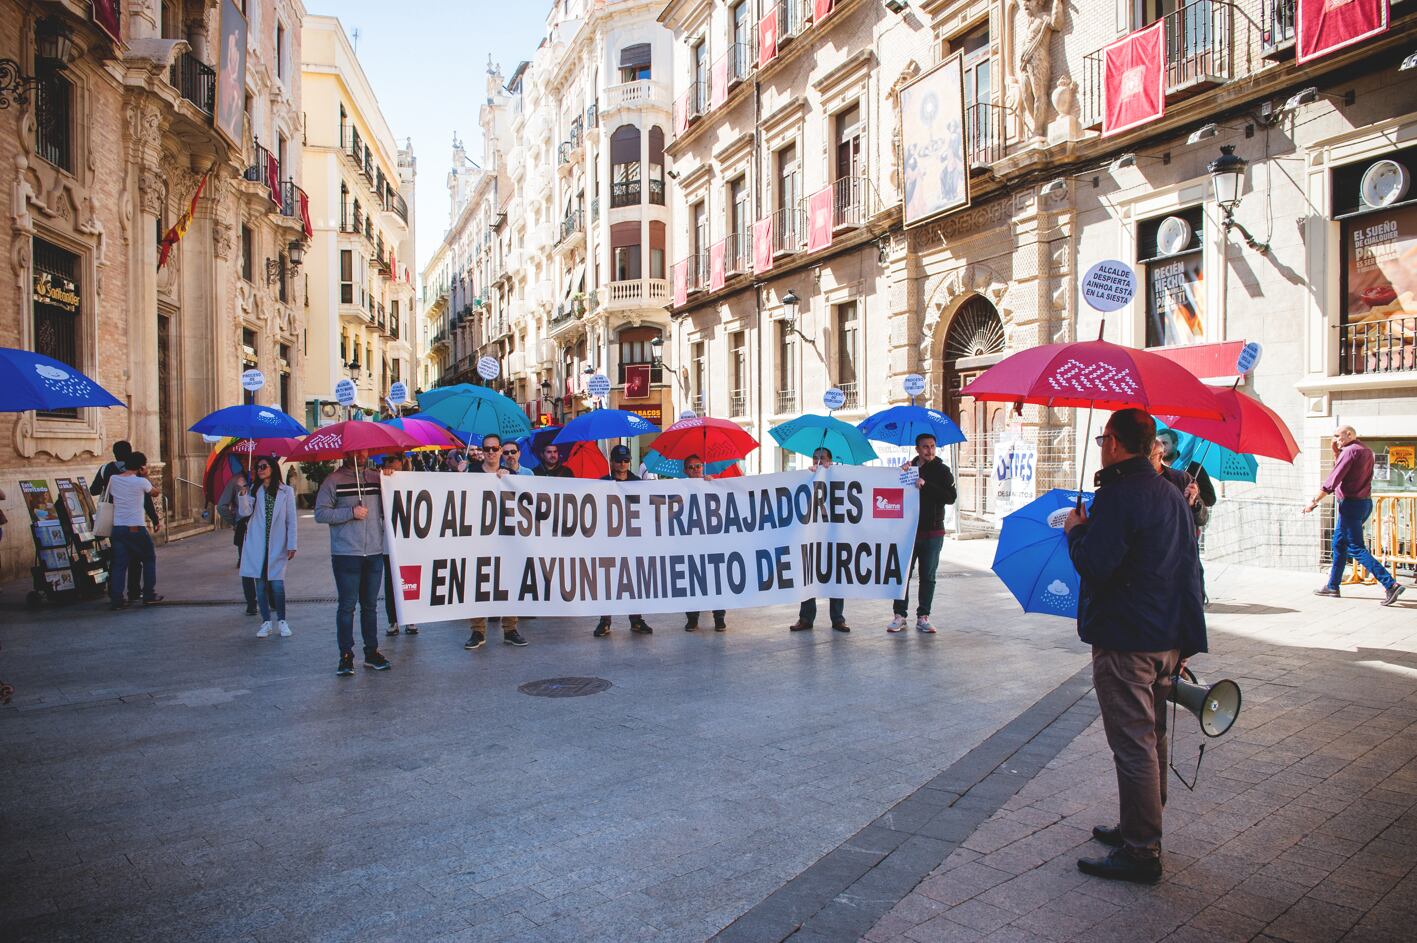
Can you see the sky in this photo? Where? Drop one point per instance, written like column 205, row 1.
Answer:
column 427, row 63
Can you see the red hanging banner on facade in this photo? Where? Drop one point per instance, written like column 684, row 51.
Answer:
column 719, row 92
column 1134, row 80
column 273, row 173
column 636, row 380
column 767, row 37
column 681, row 283
column 819, row 219
column 762, row 245
column 820, row 9
column 681, row 115
column 1325, row 26
column 716, row 269
column 105, row 14
column 305, row 215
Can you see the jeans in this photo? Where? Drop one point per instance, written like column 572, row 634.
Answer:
column 1348, row 542
column 272, row 593
column 927, row 553
column 807, row 612
column 357, row 581
column 1131, row 692
column 389, row 609
column 132, row 545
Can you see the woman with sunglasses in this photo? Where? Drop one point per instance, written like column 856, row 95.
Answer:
column 270, row 540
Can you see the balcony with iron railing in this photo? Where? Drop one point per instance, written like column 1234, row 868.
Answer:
column 851, row 395
column 699, row 404
column 738, row 403
column 698, row 99
column 793, row 18
column 737, row 253
column 636, row 293
column 594, row 208
column 986, row 130
column 741, row 59
column 572, row 225
column 195, row 81
column 853, row 202
column 656, row 372
column 789, row 230
column 351, row 220
column 291, row 198
column 699, row 271
column 592, row 116
column 624, row 193
column 656, row 192
column 1276, row 23
column 396, row 204
column 1208, row 43
column 1388, row 346
column 786, row 402
column 352, row 145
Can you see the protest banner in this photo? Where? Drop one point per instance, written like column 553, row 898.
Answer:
column 481, row 545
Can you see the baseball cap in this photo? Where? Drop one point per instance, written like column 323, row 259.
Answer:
column 620, row 453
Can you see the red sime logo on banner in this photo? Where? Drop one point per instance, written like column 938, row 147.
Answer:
column 888, row 502
column 411, row 577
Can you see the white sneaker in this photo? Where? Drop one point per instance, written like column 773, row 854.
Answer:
column 265, row 630
column 897, row 624
column 284, row 629
column 922, row 624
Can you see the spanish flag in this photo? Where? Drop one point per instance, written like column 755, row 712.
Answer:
column 179, row 228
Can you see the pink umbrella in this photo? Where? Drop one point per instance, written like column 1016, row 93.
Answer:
column 347, row 438
column 430, row 435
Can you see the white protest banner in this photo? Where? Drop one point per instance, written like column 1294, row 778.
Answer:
column 1015, row 479
column 480, row 545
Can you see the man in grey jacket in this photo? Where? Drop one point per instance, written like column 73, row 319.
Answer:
column 352, row 506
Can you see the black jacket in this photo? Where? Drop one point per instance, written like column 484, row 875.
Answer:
column 629, row 476
column 938, row 491
column 1140, row 568
column 560, row 471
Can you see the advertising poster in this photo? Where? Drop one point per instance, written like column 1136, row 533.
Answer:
column 932, row 142
column 39, row 501
column 1175, row 300
column 1015, row 481
column 1381, row 271
column 231, row 74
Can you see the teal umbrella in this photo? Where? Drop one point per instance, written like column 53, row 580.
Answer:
column 1219, row 463
column 805, row 434
column 475, row 411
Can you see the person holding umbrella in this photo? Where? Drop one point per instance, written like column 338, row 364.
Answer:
column 620, row 471
column 694, row 468
column 937, row 489
column 1140, row 609
column 836, row 608
column 269, row 515
column 349, row 502
column 551, row 466
column 393, row 463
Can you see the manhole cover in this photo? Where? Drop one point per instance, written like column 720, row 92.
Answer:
column 564, row 687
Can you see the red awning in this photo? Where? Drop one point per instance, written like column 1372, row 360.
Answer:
column 1206, row 361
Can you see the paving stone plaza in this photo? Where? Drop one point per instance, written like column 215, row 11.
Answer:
column 171, row 777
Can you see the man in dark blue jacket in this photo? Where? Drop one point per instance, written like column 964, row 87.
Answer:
column 1140, row 609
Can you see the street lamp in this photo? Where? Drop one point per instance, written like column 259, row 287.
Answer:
column 791, row 300
column 545, row 389
column 656, row 350
column 1227, row 178
column 54, row 49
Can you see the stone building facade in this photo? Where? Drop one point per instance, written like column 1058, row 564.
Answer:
column 107, row 152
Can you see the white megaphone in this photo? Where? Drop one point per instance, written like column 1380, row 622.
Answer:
column 1216, row 705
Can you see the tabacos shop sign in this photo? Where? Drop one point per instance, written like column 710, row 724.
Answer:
column 57, row 291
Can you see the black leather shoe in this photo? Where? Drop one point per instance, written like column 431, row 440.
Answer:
column 1121, row 866
column 1111, row 836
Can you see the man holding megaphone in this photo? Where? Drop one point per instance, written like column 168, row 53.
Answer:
column 1140, row 608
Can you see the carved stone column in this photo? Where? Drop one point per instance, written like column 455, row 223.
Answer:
column 148, row 196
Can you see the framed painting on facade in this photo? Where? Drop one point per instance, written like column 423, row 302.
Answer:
column 933, row 165
column 230, row 108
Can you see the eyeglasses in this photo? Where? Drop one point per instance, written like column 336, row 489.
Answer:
column 693, row 468
column 491, row 448
column 509, row 452
column 1102, row 439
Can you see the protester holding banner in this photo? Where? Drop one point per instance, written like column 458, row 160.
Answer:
column 551, row 466
column 620, row 471
column 394, row 463
column 694, row 468
column 268, row 512
column 836, row 607
column 512, row 459
column 937, row 489
column 492, row 465
column 350, row 503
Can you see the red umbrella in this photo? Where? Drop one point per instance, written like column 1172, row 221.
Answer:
column 1249, row 426
column 732, row 471
column 587, row 461
column 713, row 440
column 228, row 455
column 1096, row 374
column 344, row 438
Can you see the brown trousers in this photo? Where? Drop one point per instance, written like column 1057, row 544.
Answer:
column 1131, row 691
column 479, row 624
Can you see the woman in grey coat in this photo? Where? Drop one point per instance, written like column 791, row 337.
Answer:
column 269, row 512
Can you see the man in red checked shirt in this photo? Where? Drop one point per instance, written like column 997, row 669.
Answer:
column 1351, row 484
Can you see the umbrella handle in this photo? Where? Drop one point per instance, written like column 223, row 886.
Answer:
column 1082, row 464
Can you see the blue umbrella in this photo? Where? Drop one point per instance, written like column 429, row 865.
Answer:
column 33, row 381
column 249, row 421
column 474, row 411
column 1219, row 463
column 899, row 425
column 805, row 434
column 674, row 467
column 605, row 424
column 1032, row 556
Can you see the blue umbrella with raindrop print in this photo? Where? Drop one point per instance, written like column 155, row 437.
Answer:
column 1032, row 556
column 33, row 381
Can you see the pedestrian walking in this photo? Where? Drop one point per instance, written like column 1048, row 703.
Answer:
column 1351, row 484
column 477, row 637
column 551, row 466
column 394, row 463
column 350, row 503
column 128, row 489
column 1139, row 607
column 620, row 471
column 269, row 513
column 694, row 468
column 836, row 607
column 937, row 489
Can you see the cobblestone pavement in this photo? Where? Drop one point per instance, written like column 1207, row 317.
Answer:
column 171, row 777
column 174, row 778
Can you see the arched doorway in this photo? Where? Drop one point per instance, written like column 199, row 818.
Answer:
column 973, row 343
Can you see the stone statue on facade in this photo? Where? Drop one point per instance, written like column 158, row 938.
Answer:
column 1035, row 62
